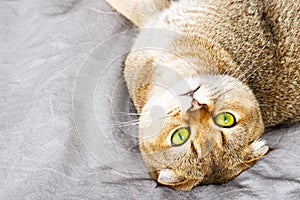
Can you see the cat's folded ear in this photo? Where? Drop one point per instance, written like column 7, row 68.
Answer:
column 169, row 177
column 258, row 149
column 139, row 11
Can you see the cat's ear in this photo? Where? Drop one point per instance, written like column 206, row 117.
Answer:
column 258, row 149
column 169, row 177
column 139, row 11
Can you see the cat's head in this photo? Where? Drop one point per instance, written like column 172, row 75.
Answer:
column 202, row 130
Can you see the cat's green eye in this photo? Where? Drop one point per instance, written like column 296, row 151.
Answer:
column 225, row 120
column 180, row 136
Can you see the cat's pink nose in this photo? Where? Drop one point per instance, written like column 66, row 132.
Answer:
column 196, row 105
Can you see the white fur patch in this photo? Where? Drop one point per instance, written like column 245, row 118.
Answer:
column 259, row 146
column 167, row 176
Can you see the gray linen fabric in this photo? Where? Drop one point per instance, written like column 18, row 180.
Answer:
column 63, row 102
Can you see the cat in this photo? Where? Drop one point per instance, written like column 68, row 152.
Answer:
column 223, row 71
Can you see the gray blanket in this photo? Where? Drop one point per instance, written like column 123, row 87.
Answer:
column 65, row 131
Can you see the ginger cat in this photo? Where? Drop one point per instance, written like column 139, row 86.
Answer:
column 216, row 73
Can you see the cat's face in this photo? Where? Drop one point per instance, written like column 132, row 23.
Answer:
column 202, row 130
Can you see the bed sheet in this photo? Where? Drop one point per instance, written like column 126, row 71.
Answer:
column 64, row 128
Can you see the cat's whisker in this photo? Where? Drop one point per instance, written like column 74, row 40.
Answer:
column 244, row 73
column 122, row 124
column 253, row 70
column 221, row 93
column 262, row 105
column 125, row 114
column 134, row 122
column 128, row 114
column 237, row 70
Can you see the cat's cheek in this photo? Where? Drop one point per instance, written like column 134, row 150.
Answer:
column 151, row 121
column 150, row 129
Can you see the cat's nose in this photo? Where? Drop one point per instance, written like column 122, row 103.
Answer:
column 201, row 97
column 195, row 105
